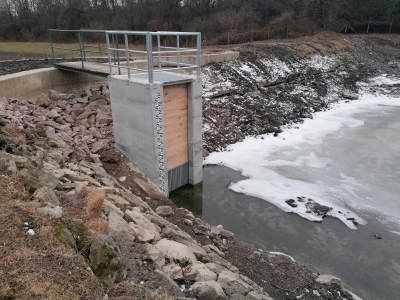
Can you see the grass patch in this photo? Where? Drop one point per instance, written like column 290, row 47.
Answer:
column 95, row 199
column 44, row 49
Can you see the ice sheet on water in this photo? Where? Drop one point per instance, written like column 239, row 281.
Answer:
column 259, row 158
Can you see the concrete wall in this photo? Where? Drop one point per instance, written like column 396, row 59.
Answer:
column 138, row 130
column 195, row 137
column 31, row 83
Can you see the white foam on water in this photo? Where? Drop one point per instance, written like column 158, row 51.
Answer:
column 263, row 158
column 280, row 253
column 354, row 295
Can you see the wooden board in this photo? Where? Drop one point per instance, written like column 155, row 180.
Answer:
column 176, row 124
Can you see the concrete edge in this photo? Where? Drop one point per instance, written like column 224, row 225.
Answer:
column 34, row 82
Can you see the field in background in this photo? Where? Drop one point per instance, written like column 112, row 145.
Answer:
column 42, row 50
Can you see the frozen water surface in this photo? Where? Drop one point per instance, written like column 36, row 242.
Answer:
column 347, row 158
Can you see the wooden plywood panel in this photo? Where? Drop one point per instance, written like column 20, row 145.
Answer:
column 176, row 122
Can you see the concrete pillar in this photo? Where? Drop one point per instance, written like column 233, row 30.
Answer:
column 139, row 126
column 195, row 121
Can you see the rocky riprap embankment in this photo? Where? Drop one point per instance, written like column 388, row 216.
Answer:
column 126, row 241
column 272, row 85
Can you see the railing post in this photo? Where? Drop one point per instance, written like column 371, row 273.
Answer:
column 198, row 54
column 149, row 47
column 127, row 56
column 52, row 47
column 178, row 55
column 159, row 49
column 83, row 47
column 80, row 49
column 108, row 52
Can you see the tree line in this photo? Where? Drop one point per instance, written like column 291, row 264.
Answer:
column 220, row 21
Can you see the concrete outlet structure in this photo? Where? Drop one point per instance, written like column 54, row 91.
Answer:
column 159, row 126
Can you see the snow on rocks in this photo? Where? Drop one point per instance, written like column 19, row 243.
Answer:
column 255, row 95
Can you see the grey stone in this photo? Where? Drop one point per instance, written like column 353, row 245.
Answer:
column 143, row 229
column 226, row 234
column 51, row 210
column 153, row 254
column 46, row 194
column 256, row 296
column 328, row 280
column 159, row 278
column 174, row 250
column 164, row 210
column 231, row 283
column 173, row 271
column 316, row 293
column 188, row 222
column 200, row 272
column 119, row 227
column 104, row 259
column 350, row 95
column 208, row 290
column 117, row 199
column 64, row 235
column 36, row 178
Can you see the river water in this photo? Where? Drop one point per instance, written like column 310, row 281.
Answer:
column 347, row 158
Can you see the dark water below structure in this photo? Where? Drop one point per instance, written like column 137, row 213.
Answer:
column 369, row 267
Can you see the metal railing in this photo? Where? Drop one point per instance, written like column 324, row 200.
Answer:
column 163, row 65
column 81, row 49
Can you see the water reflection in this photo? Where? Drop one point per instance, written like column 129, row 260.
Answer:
column 368, row 267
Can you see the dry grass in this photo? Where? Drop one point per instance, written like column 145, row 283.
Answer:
column 13, row 135
column 39, row 266
column 95, row 200
column 98, row 225
column 14, row 188
column 134, row 291
column 20, row 139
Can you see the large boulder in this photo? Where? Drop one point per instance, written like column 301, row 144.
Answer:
column 119, row 227
column 104, row 259
column 232, row 284
column 46, row 194
column 35, row 178
column 173, row 250
column 51, row 210
column 158, row 279
column 350, row 95
column 208, row 290
column 199, row 272
column 144, row 230
column 328, row 280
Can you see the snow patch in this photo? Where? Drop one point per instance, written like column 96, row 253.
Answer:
column 257, row 159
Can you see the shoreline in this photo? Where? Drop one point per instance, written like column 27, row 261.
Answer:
column 328, row 247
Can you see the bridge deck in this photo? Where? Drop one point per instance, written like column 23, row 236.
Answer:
column 92, row 68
